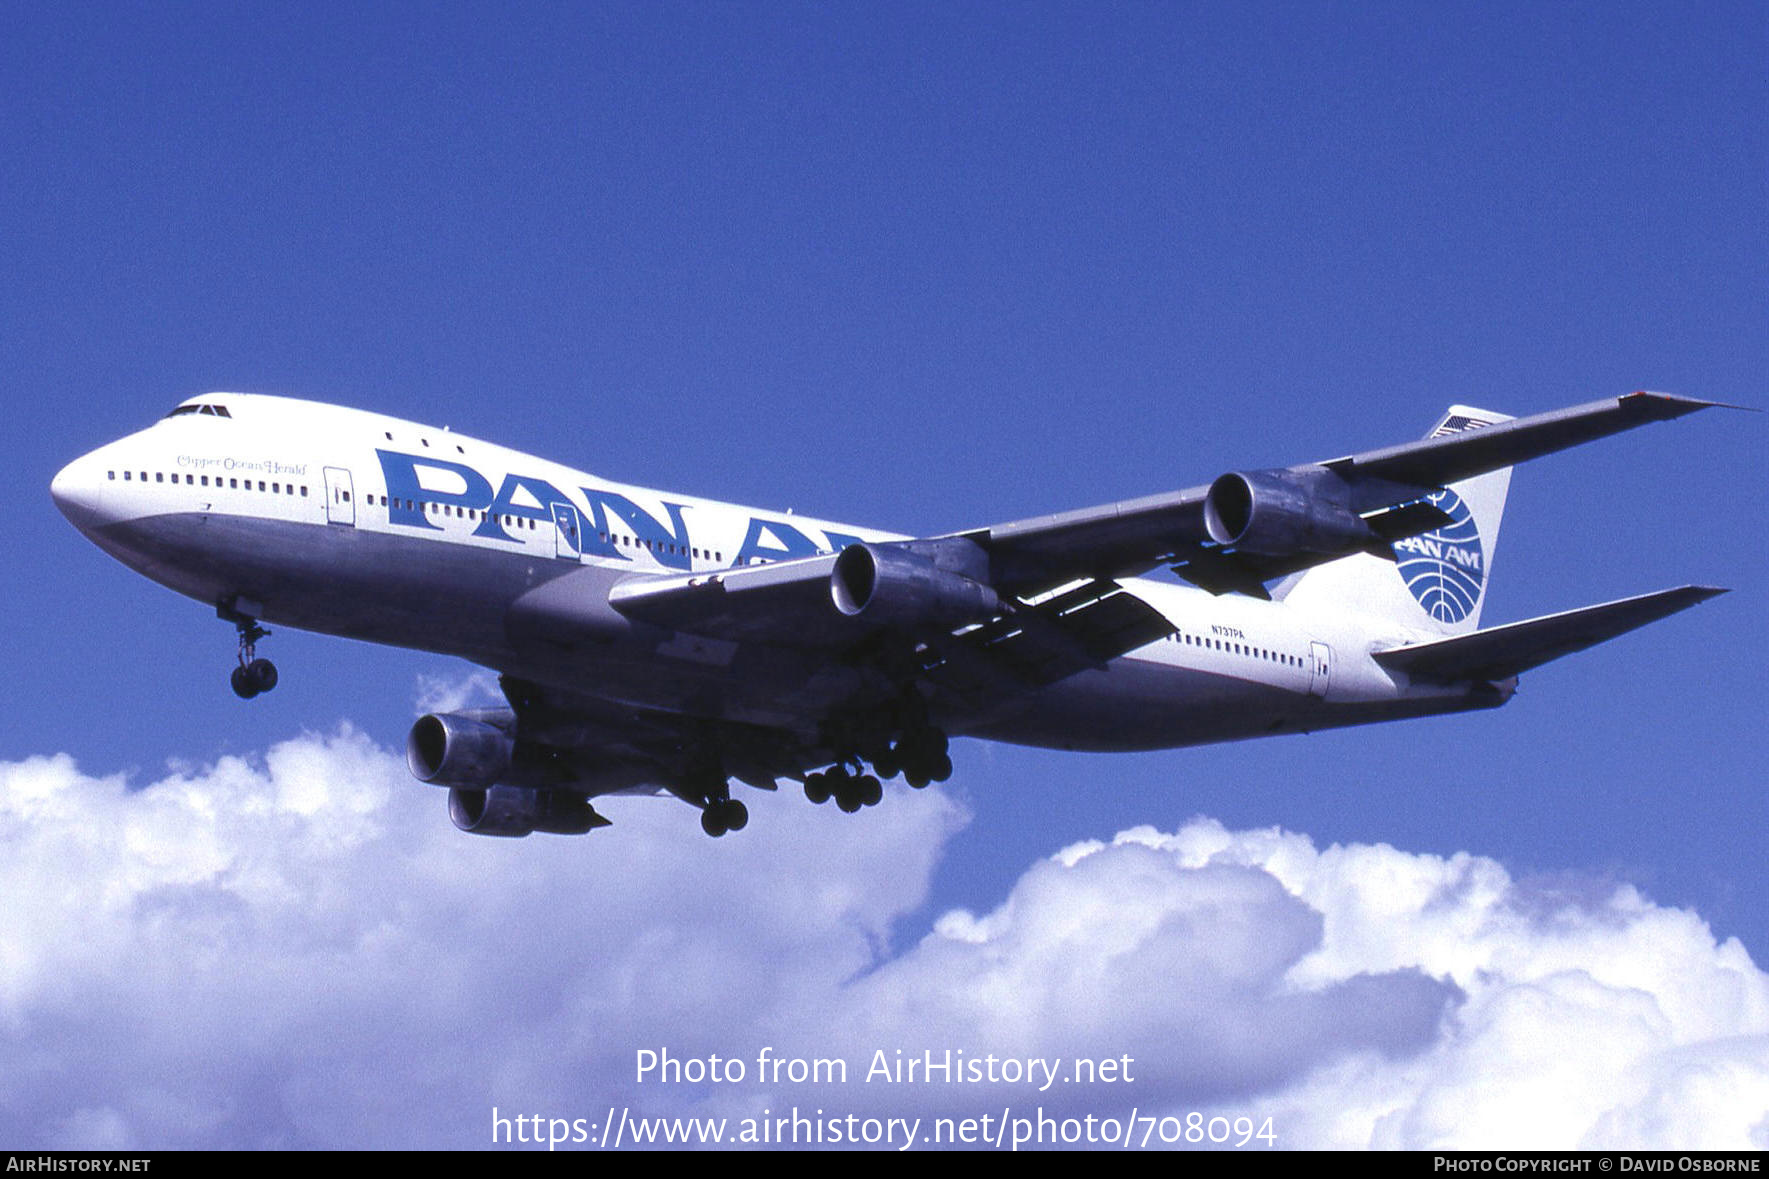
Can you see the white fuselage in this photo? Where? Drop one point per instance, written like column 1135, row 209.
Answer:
column 355, row 524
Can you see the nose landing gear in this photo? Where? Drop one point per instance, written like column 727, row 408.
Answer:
column 254, row 675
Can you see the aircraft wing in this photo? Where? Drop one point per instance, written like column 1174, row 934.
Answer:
column 1381, row 488
column 785, row 602
column 1020, row 605
column 578, row 735
column 1017, row 645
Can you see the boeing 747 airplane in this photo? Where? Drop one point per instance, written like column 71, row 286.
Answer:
column 654, row 642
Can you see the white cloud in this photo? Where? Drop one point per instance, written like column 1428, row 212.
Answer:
column 475, row 689
column 302, row 951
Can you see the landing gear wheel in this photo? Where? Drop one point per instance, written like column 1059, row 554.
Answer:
column 854, row 790
column 723, row 814
column 817, row 787
column 262, row 674
column 254, row 675
column 924, row 757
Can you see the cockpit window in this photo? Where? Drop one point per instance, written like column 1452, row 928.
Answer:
column 219, row 411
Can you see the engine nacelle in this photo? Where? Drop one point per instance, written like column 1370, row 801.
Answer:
column 515, row 811
column 1278, row 513
column 889, row 587
column 472, row 750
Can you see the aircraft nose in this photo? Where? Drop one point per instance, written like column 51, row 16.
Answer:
column 76, row 493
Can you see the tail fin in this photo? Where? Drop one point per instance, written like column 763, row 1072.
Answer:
column 1437, row 581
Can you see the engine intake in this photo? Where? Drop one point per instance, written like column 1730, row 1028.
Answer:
column 469, row 749
column 1278, row 513
column 515, row 811
column 889, row 587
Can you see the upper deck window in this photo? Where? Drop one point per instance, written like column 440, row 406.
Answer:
column 219, row 411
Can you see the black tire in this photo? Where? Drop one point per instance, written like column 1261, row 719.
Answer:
column 712, row 822
column 817, row 787
column 869, row 791
column 735, row 815
column 243, row 687
column 262, row 673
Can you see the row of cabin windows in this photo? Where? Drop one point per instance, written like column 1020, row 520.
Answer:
column 1229, row 648
column 232, row 484
column 528, row 522
column 428, row 506
column 661, row 546
column 452, row 510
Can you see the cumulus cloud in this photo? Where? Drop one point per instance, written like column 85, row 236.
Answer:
column 476, row 689
column 1597, row 1021
column 299, row 950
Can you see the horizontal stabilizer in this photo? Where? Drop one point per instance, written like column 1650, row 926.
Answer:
column 1505, row 651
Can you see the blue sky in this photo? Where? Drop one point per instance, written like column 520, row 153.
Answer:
column 920, row 268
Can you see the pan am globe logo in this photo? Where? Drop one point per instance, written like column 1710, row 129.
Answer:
column 1445, row 569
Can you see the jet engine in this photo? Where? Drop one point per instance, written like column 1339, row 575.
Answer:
column 1279, row 513
column 515, row 811
column 471, row 749
column 890, row 587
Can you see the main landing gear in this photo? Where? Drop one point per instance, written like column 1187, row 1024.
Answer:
column 707, row 787
column 851, row 791
column 920, row 755
column 254, row 675
column 722, row 815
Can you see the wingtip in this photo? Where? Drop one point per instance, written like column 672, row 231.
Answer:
column 1686, row 596
column 1672, row 405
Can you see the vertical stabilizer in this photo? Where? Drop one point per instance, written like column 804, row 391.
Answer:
column 1438, row 580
